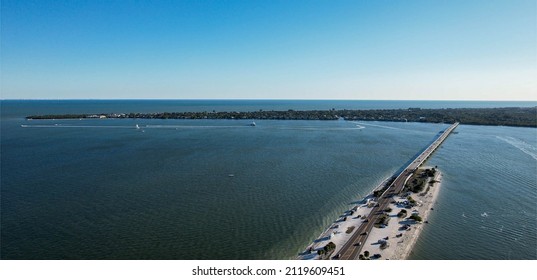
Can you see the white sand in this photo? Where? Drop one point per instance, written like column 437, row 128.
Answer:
column 399, row 247
column 336, row 232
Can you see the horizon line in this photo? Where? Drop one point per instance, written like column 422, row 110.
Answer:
column 258, row 99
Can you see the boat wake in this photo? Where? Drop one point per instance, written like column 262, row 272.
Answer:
column 138, row 127
column 319, row 128
column 130, row 126
column 198, row 126
column 364, row 125
column 75, row 126
column 521, row 145
column 377, row 125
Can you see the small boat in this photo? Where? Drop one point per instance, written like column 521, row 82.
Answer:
column 137, row 126
column 253, row 124
column 231, row 175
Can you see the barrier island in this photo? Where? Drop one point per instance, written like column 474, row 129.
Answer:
column 509, row 116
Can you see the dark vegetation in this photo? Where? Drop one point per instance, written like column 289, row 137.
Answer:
column 416, row 183
column 510, row 116
column 383, row 219
column 429, row 172
column 415, row 217
column 327, row 249
column 380, row 191
column 411, row 201
column 402, row 213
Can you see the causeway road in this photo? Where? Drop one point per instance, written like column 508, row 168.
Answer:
column 351, row 249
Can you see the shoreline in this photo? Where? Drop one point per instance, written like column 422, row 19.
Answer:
column 401, row 248
column 401, row 241
column 332, row 234
column 521, row 116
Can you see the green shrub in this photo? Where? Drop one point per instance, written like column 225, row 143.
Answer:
column 415, row 217
column 402, row 213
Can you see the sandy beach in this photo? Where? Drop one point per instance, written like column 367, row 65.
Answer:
column 401, row 247
column 400, row 240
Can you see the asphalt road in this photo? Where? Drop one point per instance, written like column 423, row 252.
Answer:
column 350, row 250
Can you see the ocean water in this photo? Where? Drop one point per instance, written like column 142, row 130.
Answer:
column 16, row 108
column 488, row 198
column 221, row 189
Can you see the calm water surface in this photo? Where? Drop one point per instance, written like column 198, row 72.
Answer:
column 102, row 189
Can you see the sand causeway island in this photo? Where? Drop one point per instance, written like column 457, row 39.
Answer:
column 393, row 235
column 386, row 223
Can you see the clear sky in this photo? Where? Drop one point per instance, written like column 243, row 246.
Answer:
column 407, row 49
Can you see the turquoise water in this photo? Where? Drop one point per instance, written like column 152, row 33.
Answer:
column 102, row 189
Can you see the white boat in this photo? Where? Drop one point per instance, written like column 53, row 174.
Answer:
column 137, row 126
column 253, row 124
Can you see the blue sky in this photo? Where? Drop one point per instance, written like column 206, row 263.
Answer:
column 431, row 50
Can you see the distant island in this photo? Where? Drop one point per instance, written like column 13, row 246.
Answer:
column 511, row 116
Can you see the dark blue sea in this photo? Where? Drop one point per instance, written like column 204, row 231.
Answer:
column 221, row 189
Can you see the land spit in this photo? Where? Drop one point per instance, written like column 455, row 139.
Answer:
column 399, row 235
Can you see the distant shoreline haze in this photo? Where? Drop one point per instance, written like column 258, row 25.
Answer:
column 510, row 116
column 516, row 103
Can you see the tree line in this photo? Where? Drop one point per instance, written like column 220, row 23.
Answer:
column 509, row 116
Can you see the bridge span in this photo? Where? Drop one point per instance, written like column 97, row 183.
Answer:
column 351, row 249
